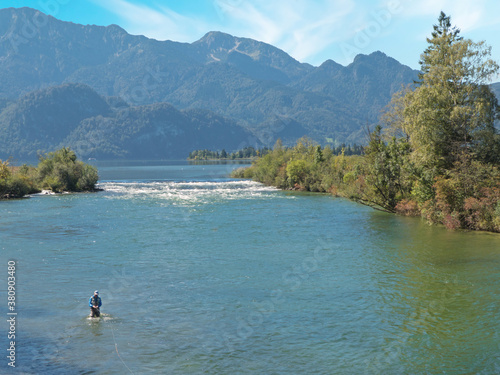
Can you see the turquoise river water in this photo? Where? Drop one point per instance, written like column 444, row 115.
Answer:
column 201, row 274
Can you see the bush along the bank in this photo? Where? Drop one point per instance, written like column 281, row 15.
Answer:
column 16, row 182
column 57, row 171
column 307, row 167
column 61, row 171
column 439, row 153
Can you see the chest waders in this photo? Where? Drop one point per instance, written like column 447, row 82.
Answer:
column 94, row 311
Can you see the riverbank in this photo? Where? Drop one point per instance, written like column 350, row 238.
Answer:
column 465, row 197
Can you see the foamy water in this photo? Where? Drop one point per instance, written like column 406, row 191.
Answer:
column 102, row 318
column 187, row 193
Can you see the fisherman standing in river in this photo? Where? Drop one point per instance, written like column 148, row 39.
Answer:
column 95, row 304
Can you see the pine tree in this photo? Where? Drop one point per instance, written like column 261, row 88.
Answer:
column 451, row 110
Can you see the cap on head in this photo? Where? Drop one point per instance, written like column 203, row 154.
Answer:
column 96, row 292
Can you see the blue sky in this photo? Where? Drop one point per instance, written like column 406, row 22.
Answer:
column 309, row 30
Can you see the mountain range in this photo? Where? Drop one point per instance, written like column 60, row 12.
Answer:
column 109, row 94
column 110, row 128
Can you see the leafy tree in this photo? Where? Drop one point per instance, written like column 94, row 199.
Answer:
column 297, row 171
column 318, row 156
column 61, row 171
column 4, row 170
column 447, row 119
column 442, row 29
column 57, row 171
column 16, row 183
column 5, row 173
column 388, row 178
column 452, row 109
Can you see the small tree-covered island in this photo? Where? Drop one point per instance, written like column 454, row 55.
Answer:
column 57, row 171
column 435, row 153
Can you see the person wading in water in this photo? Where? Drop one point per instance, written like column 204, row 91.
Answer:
column 95, row 304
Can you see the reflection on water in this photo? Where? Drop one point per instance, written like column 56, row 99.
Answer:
column 440, row 298
column 221, row 276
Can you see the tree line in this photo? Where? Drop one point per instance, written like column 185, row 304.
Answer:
column 245, row 153
column 57, row 171
column 251, row 152
column 435, row 153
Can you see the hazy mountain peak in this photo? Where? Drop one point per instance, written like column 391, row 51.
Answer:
column 19, row 11
column 223, row 44
column 115, row 28
column 12, row 20
column 330, row 66
column 376, row 57
column 217, row 39
column 257, row 59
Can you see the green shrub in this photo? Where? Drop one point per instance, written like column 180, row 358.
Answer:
column 88, row 178
column 297, row 171
column 20, row 185
column 57, row 171
column 60, row 171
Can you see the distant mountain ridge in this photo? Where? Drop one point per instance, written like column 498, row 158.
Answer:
column 74, row 115
column 247, row 85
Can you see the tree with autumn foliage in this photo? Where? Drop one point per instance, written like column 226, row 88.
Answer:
column 447, row 120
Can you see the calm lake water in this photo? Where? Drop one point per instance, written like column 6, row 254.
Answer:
column 201, row 274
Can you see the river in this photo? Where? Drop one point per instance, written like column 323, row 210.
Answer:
column 202, row 274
